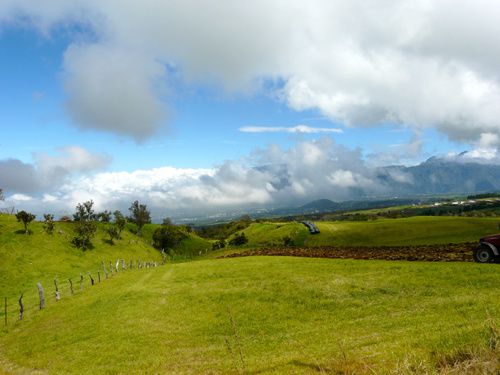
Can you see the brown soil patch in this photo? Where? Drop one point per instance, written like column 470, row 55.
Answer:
column 431, row 253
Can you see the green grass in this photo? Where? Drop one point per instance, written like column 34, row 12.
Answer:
column 40, row 257
column 284, row 315
column 406, row 231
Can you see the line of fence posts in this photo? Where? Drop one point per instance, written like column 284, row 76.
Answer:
column 41, row 294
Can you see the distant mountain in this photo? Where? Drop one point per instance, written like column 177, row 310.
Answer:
column 441, row 176
column 320, row 205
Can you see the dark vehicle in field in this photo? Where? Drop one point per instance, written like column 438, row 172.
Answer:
column 488, row 249
column 313, row 229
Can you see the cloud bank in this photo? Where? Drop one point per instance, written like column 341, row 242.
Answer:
column 418, row 63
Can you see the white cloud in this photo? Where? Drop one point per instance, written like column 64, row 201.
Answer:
column 19, row 198
column 419, row 63
column 48, row 171
column 293, row 129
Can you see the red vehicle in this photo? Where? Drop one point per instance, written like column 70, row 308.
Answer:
column 488, row 249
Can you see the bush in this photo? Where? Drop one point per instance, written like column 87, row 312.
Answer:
column 48, row 223
column 26, row 218
column 219, row 245
column 238, row 240
column 84, row 232
column 168, row 237
column 287, row 241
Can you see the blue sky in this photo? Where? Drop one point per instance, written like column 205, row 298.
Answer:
column 200, row 131
column 87, row 92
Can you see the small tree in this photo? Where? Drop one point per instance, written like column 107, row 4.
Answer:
column 84, row 211
column 120, row 222
column 48, row 223
column 113, row 233
column 104, row 216
column 84, row 232
column 26, row 218
column 139, row 215
column 85, row 228
column 238, row 240
column 168, row 236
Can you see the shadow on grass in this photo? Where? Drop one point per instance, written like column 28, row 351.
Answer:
column 22, row 231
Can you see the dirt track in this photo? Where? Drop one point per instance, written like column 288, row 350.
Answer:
column 430, row 253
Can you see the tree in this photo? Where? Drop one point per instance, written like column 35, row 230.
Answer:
column 238, row 240
column 139, row 215
column 104, row 216
column 84, row 232
column 113, row 233
column 48, row 223
column 168, row 236
column 120, row 222
column 85, row 228
column 26, row 218
column 84, row 211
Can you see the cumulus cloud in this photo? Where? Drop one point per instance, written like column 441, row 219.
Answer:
column 293, row 129
column 48, row 171
column 418, row 63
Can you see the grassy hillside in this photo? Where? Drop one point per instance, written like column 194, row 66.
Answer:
column 270, row 315
column 406, row 231
column 27, row 259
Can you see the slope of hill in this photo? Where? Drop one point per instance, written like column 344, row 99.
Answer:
column 28, row 259
column 419, row 230
column 270, row 315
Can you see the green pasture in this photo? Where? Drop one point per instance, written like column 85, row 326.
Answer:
column 418, row 230
column 266, row 315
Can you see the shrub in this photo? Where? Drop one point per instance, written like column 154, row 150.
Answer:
column 238, row 240
column 48, row 223
column 168, row 237
column 26, row 218
column 219, row 245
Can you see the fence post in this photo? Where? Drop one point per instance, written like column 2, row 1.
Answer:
column 98, row 276
column 40, row 295
column 21, row 307
column 111, row 267
column 81, row 282
column 91, row 279
column 58, row 295
column 104, row 270
column 117, row 264
column 123, row 264
column 130, row 265
column 71, row 286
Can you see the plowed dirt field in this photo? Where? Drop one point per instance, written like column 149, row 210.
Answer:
column 432, row 253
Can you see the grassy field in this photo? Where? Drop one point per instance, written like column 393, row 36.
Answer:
column 40, row 257
column 407, row 231
column 270, row 315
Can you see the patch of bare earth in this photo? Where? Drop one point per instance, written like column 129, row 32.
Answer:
column 431, row 253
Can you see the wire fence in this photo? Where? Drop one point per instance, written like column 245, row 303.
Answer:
column 27, row 304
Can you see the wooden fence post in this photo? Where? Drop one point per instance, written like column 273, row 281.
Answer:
column 104, row 270
column 111, row 267
column 21, row 307
column 41, row 295
column 91, row 279
column 123, row 264
column 71, row 286
column 58, row 294
column 117, row 264
column 98, row 276
column 81, row 282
